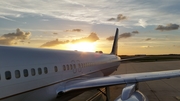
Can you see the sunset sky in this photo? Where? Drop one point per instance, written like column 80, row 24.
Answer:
column 145, row 26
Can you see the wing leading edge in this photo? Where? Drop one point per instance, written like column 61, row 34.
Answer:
column 118, row 79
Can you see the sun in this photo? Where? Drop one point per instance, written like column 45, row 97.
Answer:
column 83, row 46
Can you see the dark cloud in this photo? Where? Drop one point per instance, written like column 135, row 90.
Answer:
column 54, row 43
column 135, row 32
column 110, row 38
column 55, row 33
column 74, row 30
column 168, row 27
column 148, row 39
column 119, row 18
column 111, row 19
column 18, row 35
column 91, row 38
column 123, row 35
column 12, row 38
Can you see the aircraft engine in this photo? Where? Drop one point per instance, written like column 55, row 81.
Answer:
column 131, row 93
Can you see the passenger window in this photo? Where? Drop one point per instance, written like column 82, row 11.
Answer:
column 45, row 70
column 8, row 75
column 39, row 71
column 67, row 67
column 64, row 67
column 17, row 74
column 79, row 65
column 74, row 65
column 71, row 66
column 33, row 72
column 25, row 72
column 55, row 68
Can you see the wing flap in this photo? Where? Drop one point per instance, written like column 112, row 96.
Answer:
column 119, row 79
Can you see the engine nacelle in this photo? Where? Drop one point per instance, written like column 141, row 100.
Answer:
column 136, row 96
column 131, row 93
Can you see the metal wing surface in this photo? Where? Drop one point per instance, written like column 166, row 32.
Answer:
column 119, row 79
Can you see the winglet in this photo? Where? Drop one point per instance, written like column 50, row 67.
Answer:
column 115, row 43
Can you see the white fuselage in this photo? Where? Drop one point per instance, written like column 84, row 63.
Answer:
column 28, row 74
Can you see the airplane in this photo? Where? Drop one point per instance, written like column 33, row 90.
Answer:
column 33, row 74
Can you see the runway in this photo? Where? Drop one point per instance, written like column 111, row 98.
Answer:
column 159, row 90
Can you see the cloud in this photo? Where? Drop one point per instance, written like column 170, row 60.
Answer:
column 18, row 35
column 74, row 2
column 86, row 11
column 148, row 39
column 119, row 18
column 146, row 46
column 123, row 35
column 4, row 41
column 135, row 32
column 55, row 33
column 12, row 38
column 142, row 23
column 74, row 30
column 3, row 17
column 110, row 38
column 168, row 27
column 111, row 19
column 54, row 43
column 91, row 38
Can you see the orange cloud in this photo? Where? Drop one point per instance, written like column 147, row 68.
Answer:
column 91, row 38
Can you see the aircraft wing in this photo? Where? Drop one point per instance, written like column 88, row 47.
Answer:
column 118, row 79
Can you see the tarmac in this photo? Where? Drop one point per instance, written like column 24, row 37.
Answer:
column 158, row 90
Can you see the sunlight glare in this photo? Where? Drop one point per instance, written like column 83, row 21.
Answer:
column 83, row 46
